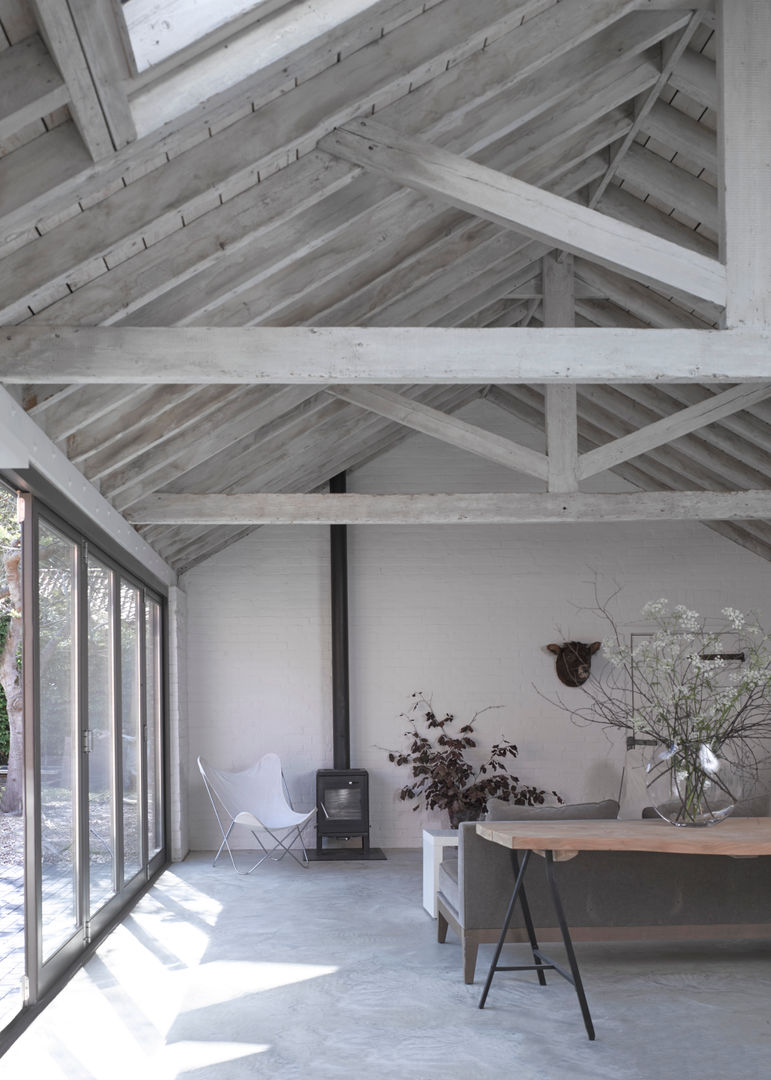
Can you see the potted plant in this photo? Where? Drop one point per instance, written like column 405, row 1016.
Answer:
column 442, row 776
column 696, row 692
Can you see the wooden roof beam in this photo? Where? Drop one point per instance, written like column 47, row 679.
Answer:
column 513, row 204
column 470, row 508
column 327, row 355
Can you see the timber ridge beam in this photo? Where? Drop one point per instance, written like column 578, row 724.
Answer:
column 435, row 355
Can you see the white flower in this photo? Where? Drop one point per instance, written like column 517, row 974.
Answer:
column 736, row 618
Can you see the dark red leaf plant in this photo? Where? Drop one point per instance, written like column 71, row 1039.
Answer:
column 442, row 776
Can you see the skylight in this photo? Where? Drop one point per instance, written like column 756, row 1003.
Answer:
column 159, row 28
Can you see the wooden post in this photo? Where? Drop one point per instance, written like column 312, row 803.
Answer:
column 744, row 148
column 561, row 415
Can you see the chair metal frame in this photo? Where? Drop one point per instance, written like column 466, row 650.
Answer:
column 274, row 815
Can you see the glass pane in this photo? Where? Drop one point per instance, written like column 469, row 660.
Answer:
column 130, row 721
column 153, row 720
column 11, row 763
column 57, row 578
column 101, row 796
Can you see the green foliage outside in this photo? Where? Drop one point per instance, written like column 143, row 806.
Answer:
column 9, row 532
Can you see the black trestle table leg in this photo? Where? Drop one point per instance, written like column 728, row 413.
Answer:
column 576, row 980
column 542, row 962
column 505, row 929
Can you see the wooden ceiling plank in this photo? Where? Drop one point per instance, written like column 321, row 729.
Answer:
column 670, row 428
column 28, row 174
column 671, row 184
column 695, row 76
column 447, row 429
column 639, row 299
column 745, row 135
column 222, row 233
column 646, row 103
column 183, row 449
column 468, row 508
column 210, row 297
column 682, row 134
column 619, row 203
column 535, row 72
column 280, row 438
column 30, row 85
column 513, row 204
column 17, row 20
column 127, row 426
column 324, row 355
column 61, row 37
column 606, row 313
column 499, row 313
column 82, row 409
column 193, row 410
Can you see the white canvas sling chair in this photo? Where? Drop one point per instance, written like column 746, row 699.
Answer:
column 255, row 797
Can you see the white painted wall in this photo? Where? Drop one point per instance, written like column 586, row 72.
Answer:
column 459, row 612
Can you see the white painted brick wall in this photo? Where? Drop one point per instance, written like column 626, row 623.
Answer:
column 259, row 663
column 459, row 612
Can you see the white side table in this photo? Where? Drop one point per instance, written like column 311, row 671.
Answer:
column 434, row 843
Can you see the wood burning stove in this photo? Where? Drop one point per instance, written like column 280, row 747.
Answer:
column 342, row 806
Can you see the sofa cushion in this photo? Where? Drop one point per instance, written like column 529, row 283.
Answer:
column 497, row 810
column 447, row 882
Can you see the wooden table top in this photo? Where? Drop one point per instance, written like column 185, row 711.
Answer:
column 733, row 836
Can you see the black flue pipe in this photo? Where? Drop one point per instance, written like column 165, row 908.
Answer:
column 341, row 705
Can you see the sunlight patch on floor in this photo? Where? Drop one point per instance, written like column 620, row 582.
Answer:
column 225, row 980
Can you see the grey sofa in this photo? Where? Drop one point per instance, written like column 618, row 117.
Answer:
column 606, row 895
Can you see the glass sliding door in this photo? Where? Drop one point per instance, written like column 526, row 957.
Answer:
column 153, row 728
column 100, row 736
column 94, row 716
column 58, row 737
column 131, row 729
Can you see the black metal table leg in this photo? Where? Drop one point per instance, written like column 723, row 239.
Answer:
column 510, row 911
column 576, row 980
column 542, row 962
column 539, row 964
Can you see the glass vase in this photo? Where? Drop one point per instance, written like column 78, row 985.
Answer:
column 688, row 784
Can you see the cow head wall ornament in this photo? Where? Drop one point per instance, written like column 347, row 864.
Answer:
column 574, row 660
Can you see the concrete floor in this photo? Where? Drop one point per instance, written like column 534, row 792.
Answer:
column 334, row 972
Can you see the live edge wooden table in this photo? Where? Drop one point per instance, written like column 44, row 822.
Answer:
column 560, row 839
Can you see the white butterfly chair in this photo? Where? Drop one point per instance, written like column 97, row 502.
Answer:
column 255, row 797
